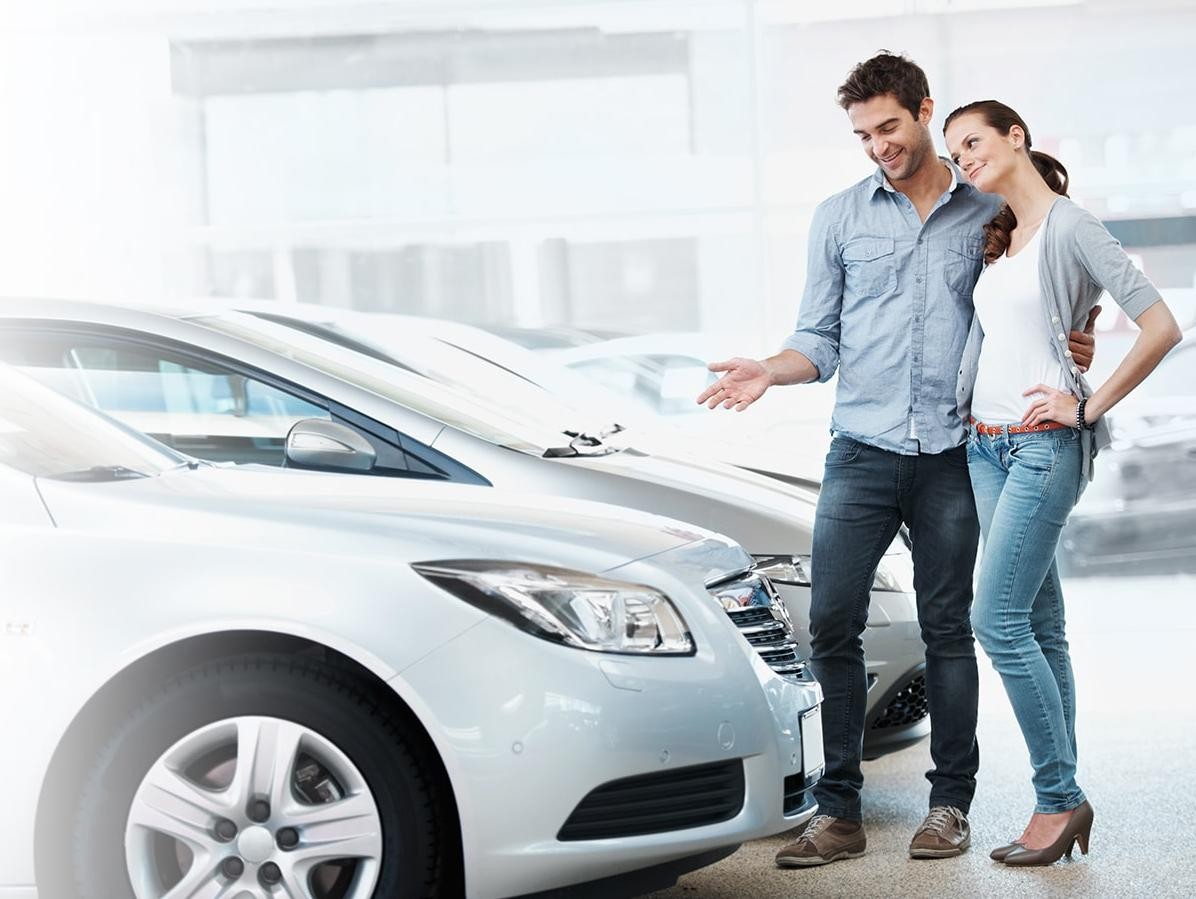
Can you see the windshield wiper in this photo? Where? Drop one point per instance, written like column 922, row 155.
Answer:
column 101, row 473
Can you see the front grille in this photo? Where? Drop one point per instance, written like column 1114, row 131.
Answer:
column 909, row 706
column 654, row 803
column 754, row 606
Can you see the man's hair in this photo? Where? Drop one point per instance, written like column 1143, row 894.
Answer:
column 886, row 73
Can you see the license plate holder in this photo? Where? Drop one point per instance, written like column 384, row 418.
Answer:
column 813, row 759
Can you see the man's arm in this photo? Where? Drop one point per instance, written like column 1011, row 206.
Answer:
column 1082, row 343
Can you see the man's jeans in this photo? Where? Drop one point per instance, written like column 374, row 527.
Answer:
column 866, row 494
column 1025, row 486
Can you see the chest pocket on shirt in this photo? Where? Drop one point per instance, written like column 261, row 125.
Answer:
column 869, row 267
column 961, row 267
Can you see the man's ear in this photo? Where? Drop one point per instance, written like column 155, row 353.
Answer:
column 926, row 111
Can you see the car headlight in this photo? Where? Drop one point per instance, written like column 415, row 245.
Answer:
column 798, row 571
column 569, row 607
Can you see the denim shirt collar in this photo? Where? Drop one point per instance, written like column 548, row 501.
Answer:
column 880, row 182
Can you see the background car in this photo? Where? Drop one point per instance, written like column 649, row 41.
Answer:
column 233, row 681
column 1138, row 515
column 229, row 387
column 646, row 384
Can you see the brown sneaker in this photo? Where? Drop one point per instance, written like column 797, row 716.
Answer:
column 944, row 833
column 826, row 839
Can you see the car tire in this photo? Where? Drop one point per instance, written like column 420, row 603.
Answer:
column 341, row 734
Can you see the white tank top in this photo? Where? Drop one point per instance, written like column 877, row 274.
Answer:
column 1016, row 353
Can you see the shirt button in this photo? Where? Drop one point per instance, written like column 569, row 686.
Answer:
column 1067, row 353
column 1062, row 336
column 1055, row 319
column 1074, row 370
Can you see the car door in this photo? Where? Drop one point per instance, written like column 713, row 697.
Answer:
column 198, row 402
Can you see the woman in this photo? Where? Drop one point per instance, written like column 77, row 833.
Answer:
column 1035, row 429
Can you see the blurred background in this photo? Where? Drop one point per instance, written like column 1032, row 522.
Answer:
column 565, row 173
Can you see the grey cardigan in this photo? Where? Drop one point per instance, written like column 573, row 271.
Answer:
column 1078, row 259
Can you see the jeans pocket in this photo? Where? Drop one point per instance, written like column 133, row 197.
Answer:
column 1035, row 453
column 843, row 451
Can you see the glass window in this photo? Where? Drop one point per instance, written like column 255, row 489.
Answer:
column 198, row 408
column 47, row 435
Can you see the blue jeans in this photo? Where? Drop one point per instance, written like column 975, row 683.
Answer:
column 1025, row 486
column 866, row 494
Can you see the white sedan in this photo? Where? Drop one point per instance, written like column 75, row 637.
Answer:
column 241, row 682
column 230, row 387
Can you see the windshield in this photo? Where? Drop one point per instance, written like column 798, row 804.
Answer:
column 47, row 435
column 478, row 413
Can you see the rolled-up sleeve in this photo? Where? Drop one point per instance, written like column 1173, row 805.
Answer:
column 817, row 334
column 1109, row 267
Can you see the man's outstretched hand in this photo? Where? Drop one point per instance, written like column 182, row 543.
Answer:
column 744, row 382
column 1083, row 344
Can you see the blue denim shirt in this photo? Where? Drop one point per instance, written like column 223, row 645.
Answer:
column 888, row 302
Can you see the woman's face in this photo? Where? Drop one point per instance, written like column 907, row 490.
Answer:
column 984, row 155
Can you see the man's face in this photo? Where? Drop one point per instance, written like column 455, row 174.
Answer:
column 895, row 140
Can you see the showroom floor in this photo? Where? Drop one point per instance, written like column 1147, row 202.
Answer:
column 1133, row 646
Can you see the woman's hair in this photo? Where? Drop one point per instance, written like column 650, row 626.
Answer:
column 999, row 116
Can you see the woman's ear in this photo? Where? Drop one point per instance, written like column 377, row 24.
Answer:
column 1016, row 136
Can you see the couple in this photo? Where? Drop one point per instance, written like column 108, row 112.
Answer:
column 946, row 296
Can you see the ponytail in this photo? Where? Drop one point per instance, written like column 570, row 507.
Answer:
column 1051, row 169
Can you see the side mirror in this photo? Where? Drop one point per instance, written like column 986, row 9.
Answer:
column 328, row 446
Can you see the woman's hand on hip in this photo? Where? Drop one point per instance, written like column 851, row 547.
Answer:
column 1050, row 405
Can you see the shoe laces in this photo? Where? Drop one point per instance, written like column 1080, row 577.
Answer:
column 940, row 818
column 817, row 825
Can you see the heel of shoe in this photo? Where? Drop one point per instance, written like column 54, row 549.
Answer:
column 1082, row 839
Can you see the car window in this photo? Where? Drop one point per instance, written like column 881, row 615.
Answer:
column 47, row 435
column 521, row 429
column 199, row 408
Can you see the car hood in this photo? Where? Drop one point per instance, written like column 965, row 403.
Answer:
column 362, row 515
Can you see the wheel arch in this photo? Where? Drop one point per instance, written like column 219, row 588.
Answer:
column 63, row 781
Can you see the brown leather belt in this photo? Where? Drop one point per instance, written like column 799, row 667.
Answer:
column 995, row 430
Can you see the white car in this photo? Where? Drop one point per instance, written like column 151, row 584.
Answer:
column 230, row 387
column 647, row 384
column 228, row 681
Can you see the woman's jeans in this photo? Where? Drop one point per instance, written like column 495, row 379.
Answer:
column 1025, row 487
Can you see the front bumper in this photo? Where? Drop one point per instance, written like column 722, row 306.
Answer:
column 527, row 730
column 893, row 654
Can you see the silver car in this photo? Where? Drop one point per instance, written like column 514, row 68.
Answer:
column 229, row 387
column 233, row 681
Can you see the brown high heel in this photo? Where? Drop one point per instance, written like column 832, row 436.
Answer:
column 998, row 854
column 1078, row 830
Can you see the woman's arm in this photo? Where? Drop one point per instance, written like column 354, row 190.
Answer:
column 1159, row 334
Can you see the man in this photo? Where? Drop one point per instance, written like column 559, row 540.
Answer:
column 888, row 302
